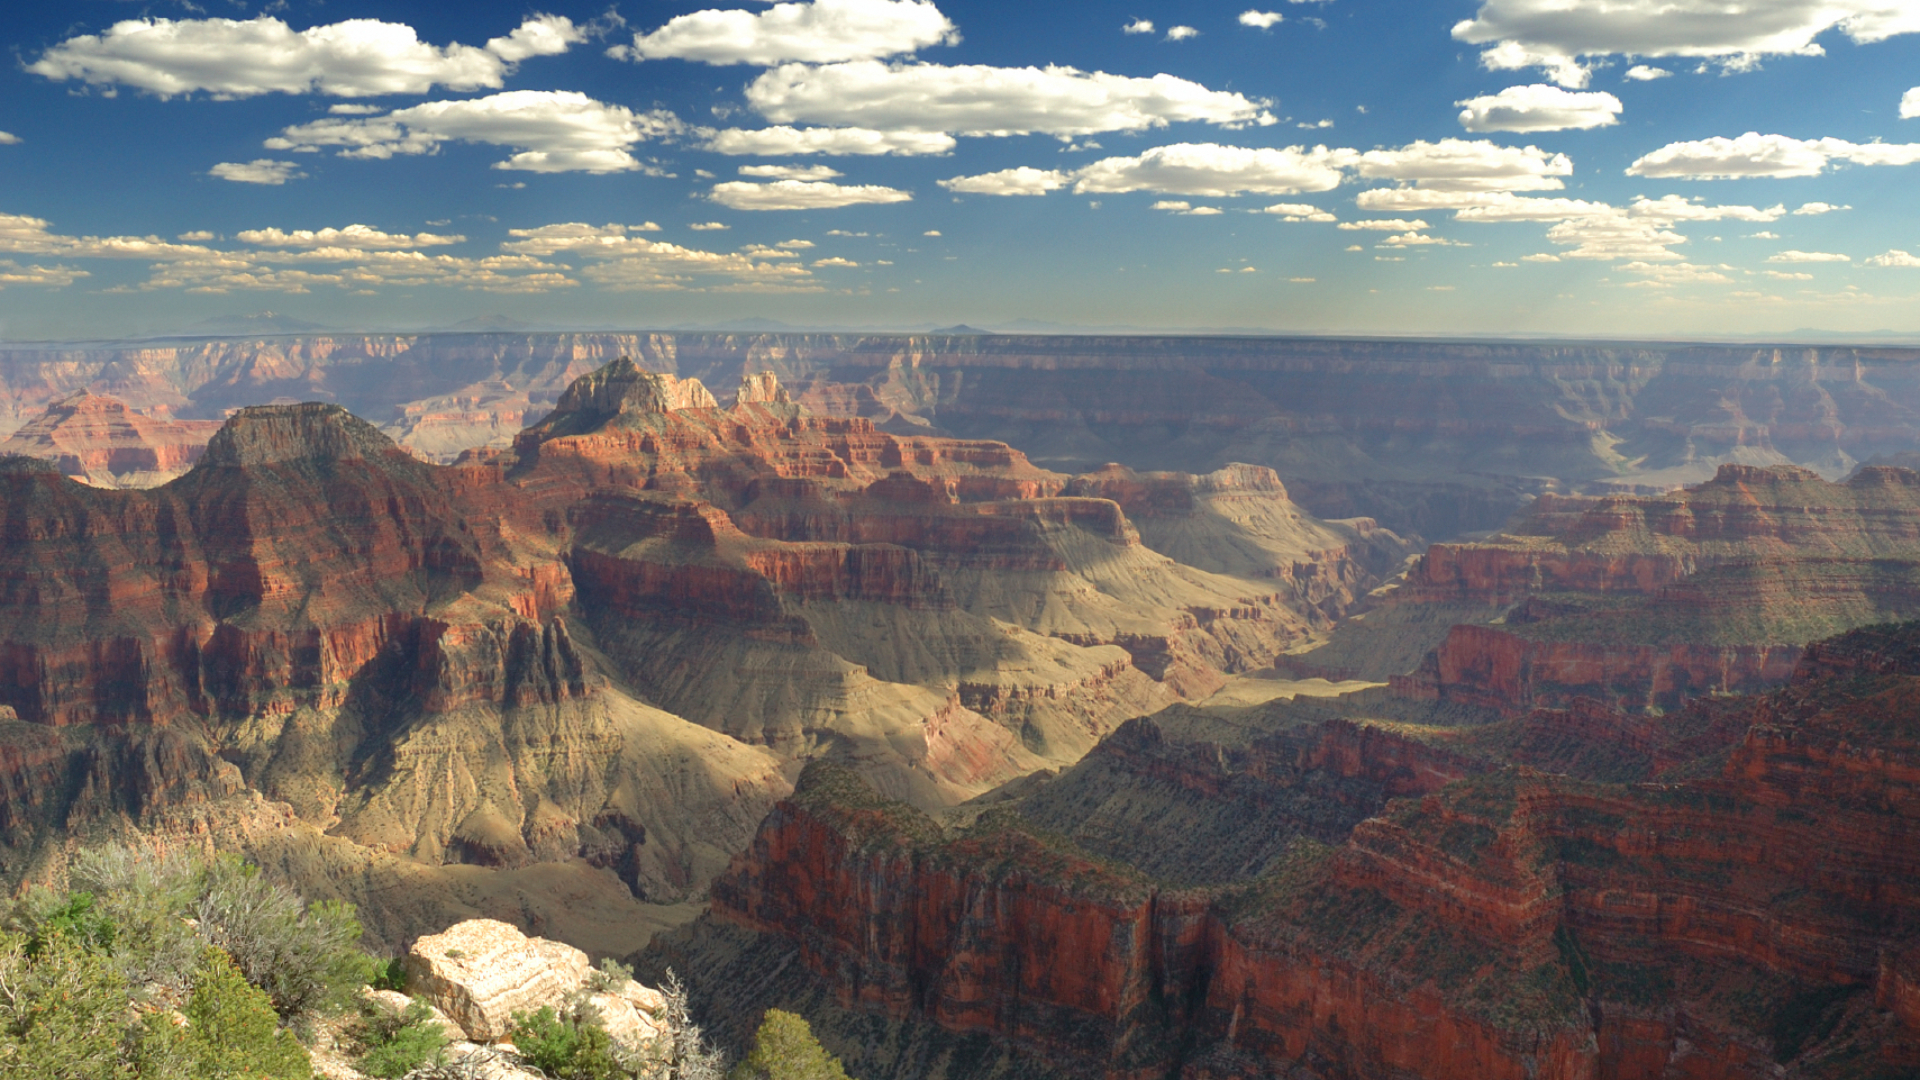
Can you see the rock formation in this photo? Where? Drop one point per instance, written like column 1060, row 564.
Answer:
column 1747, row 913
column 99, row 441
column 1648, row 600
column 602, row 647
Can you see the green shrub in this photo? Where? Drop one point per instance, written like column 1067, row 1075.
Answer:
column 565, row 1046
column 63, row 1011
column 393, row 1045
column 306, row 957
column 784, row 1049
column 147, row 897
column 233, row 1031
column 390, row 974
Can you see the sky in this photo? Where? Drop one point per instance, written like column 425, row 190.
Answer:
column 1626, row 168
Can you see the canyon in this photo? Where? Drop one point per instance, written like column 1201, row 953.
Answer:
column 607, row 647
column 1020, row 706
column 1722, row 892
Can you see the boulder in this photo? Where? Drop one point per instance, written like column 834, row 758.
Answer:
column 480, row 972
column 629, row 1024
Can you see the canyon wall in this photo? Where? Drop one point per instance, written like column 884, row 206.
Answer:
column 1499, row 922
column 1429, row 437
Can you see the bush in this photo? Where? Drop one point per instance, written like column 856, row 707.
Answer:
column 307, row 960
column 63, row 1010
column 390, row 974
column 784, row 1049
column 393, row 1045
column 566, row 1045
column 693, row 1058
column 233, row 1032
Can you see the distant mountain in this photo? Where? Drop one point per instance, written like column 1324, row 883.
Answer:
column 482, row 323
column 259, row 322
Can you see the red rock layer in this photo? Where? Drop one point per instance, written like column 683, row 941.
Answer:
column 1516, row 924
column 87, row 436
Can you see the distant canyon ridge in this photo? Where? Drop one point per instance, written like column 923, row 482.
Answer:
column 1431, row 438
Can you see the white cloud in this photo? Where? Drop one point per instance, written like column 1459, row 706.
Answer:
column 230, row 58
column 1187, row 209
column 1614, row 235
column 931, row 232
column 1554, row 35
column 355, row 110
column 1209, row 169
column 834, row 142
column 12, row 273
column 1182, row 33
column 1814, row 209
column 1783, row 275
column 363, row 237
column 1414, row 239
column 791, row 172
column 802, row 195
column 195, row 236
column 622, row 261
column 1666, row 275
column 1808, row 257
column 1764, row 234
column 1754, row 154
column 1261, row 20
column 1895, row 257
column 976, row 99
column 1138, row 26
column 7, row 138
column 1502, row 207
column 1463, row 165
column 1643, row 73
column 539, row 35
column 1539, row 107
column 820, row 32
column 552, row 130
column 1677, row 208
column 1910, row 104
column 1386, row 225
column 1021, row 181
column 257, row 171
column 835, row 261
column 709, row 226
column 1297, row 212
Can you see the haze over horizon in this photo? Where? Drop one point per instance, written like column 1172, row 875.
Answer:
column 1481, row 167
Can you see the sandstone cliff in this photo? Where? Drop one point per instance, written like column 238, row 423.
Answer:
column 1747, row 915
column 99, row 441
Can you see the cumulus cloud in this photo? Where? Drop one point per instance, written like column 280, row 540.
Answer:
column 1814, row 209
column 835, row 260
column 299, row 267
column 786, row 141
column 1296, row 212
column 1757, row 155
column 1644, row 73
column 552, row 130
column 1791, row 256
column 364, row 237
column 819, row 32
column 976, row 99
column 7, row 138
column 1896, row 258
column 231, row 58
column 1181, row 33
column 791, row 172
column 257, row 171
column 1538, row 107
column 1021, row 181
column 1667, row 275
column 1261, row 20
column 1138, row 26
column 12, row 273
column 1386, row 225
column 1555, row 36
column 1678, row 208
column 1463, row 165
column 709, row 226
column 1910, row 104
column 1641, row 231
column 803, row 195
column 1209, row 169
column 621, row 261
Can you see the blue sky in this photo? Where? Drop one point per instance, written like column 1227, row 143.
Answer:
column 1639, row 168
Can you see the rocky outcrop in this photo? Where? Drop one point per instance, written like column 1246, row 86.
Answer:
column 481, row 972
column 1747, row 915
column 100, row 441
